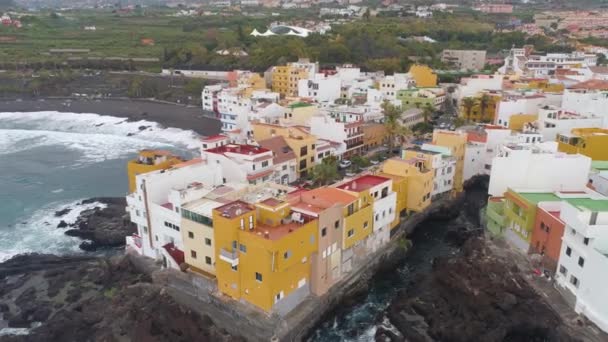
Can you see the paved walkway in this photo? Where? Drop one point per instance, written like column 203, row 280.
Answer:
column 545, row 287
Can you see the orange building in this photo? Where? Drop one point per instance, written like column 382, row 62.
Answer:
column 547, row 234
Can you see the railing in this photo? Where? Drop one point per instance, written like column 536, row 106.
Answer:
column 229, row 257
column 353, row 145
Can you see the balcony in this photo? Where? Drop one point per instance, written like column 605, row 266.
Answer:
column 350, row 146
column 230, row 257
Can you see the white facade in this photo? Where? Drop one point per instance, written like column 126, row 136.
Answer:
column 587, row 102
column 600, row 181
column 514, row 105
column 472, row 85
column 241, row 163
column 209, row 97
column 583, row 259
column 154, row 206
column 473, row 160
column 321, row 88
column 390, row 85
column 553, row 121
column 537, row 167
column 443, row 166
column 385, row 202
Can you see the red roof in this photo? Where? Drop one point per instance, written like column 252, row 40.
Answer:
column 214, row 138
column 175, row 253
column 363, row 183
column 234, row 209
column 591, row 84
column 477, row 137
column 167, row 205
column 259, row 175
column 239, row 149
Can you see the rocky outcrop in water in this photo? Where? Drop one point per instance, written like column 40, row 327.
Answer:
column 101, row 227
column 474, row 296
column 93, row 299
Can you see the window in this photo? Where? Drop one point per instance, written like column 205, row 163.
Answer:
column 235, row 267
column 324, row 231
column 208, row 241
column 337, row 224
column 243, row 248
column 302, row 164
column 586, row 241
column 542, row 226
column 233, row 245
column 265, row 163
column 191, row 235
column 351, row 232
column 574, row 281
column 351, row 209
column 258, row 276
column 568, row 251
column 303, row 151
column 364, row 224
column 208, row 260
column 193, row 254
column 563, row 270
column 593, row 218
column 287, row 254
column 284, row 167
column 377, row 217
column 581, row 261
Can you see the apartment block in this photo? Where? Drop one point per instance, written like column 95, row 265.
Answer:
column 472, row 60
column 242, row 163
column 439, row 161
column 147, row 161
column 456, row 142
column 591, row 142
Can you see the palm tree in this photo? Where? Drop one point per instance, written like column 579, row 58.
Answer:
column 484, row 102
column 392, row 125
column 326, row 172
column 468, row 103
column 427, row 111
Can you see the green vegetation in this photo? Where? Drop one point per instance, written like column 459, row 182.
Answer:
column 192, row 42
column 326, row 172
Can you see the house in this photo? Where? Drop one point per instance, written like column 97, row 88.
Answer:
column 242, row 163
column 147, row 161
column 464, row 59
column 284, row 159
column 455, row 142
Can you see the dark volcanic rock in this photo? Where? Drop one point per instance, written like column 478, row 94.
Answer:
column 94, row 299
column 62, row 224
column 105, row 227
column 62, row 212
column 474, row 296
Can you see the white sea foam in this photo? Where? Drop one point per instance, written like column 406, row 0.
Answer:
column 97, row 124
column 39, row 233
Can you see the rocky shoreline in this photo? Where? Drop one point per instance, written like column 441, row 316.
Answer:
column 81, row 298
column 101, row 228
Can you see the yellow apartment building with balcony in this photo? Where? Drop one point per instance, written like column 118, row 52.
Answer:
column 412, row 182
column 423, row 75
column 285, row 79
column 263, row 253
column 456, row 141
column 358, row 216
column 591, row 142
column 301, row 142
column 147, row 161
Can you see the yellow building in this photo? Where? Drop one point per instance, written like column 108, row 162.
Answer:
column 591, row 142
column 456, row 142
column 285, row 79
column 517, row 121
column 147, row 161
column 197, row 235
column 423, row 75
column 540, row 84
column 299, row 113
column 479, row 114
column 374, row 135
column 301, row 142
column 412, row 182
column 264, row 252
column 358, row 216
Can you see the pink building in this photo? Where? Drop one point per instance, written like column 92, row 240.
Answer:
column 496, row 8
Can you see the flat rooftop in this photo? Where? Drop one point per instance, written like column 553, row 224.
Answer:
column 234, row 209
column 239, row 149
column 582, row 203
column 363, row 183
column 278, row 232
column 203, row 206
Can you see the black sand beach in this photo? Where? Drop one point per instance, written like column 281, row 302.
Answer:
column 166, row 114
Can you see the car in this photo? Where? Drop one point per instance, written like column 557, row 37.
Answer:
column 374, row 162
column 345, row 163
column 350, row 173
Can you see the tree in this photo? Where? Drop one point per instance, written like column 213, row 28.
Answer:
column 484, row 103
column 427, row 111
column 392, row 124
column 468, row 103
column 367, row 14
column 601, row 59
column 326, row 172
column 360, row 162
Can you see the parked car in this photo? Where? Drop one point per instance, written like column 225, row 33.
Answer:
column 344, row 163
column 374, row 162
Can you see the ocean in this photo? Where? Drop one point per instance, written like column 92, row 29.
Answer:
column 53, row 160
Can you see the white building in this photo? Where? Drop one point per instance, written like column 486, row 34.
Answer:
column 553, row 121
column 411, row 117
column 515, row 104
column 519, row 62
column 209, row 97
column 589, row 97
column 284, row 160
column 598, row 176
column 321, row 88
column 537, row 166
column 583, row 258
column 155, row 207
column 390, row 85
column 470, row 86
column 241, row 163
column 349, row 135
column 443, row 165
